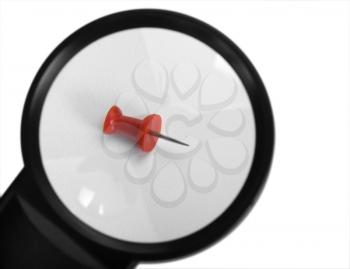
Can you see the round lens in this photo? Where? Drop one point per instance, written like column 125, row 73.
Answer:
column 107, row 180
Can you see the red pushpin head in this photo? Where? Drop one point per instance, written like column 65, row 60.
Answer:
column 135, row 129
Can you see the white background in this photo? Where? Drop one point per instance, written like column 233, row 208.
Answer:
column 302, row 51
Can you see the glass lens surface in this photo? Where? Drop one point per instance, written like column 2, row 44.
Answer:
column 106, row 180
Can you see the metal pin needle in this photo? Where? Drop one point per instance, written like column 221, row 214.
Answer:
column 167, row 138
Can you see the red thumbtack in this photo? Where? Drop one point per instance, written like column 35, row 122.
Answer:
column 144, row 132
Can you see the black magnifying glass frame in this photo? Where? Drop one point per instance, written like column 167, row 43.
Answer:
column 54, row 228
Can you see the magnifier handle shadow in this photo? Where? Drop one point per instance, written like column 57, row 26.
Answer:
column 33, row 236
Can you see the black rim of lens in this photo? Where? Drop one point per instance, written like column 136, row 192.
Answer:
column 214, row 39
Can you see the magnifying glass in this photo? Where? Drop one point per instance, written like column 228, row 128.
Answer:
column 146, row 135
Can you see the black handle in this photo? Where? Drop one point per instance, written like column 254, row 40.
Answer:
column 31, row 235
